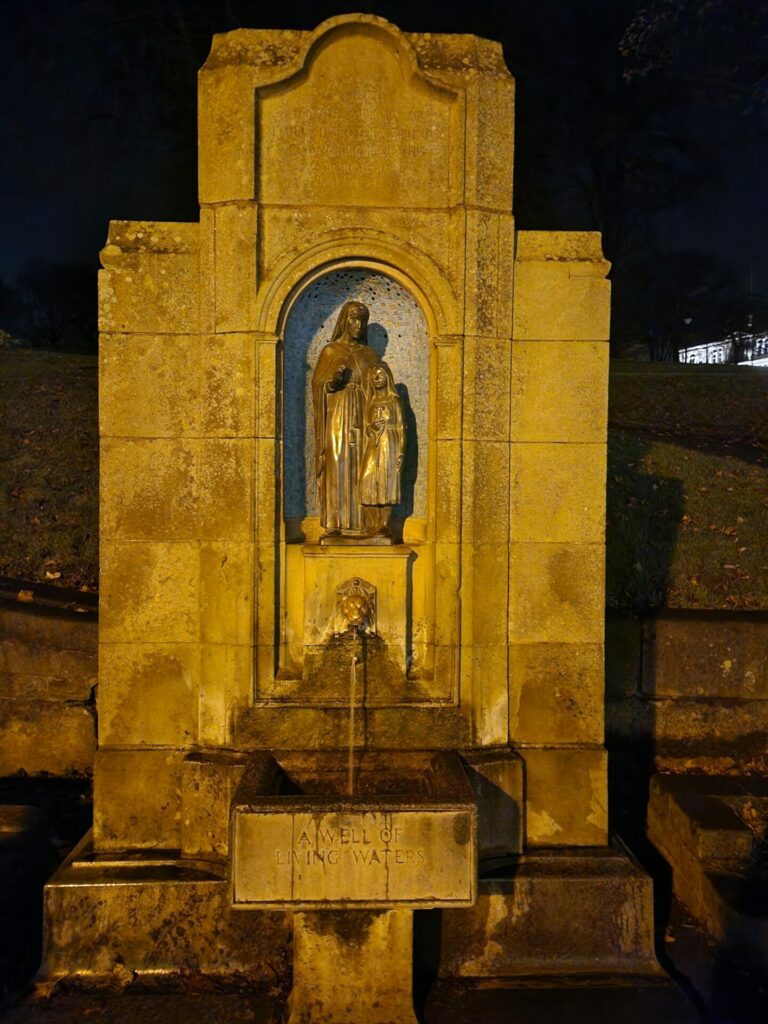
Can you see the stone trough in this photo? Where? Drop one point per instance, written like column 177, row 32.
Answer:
column 353, row 845
column 405, row 838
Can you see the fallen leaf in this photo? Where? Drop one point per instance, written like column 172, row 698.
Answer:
column 45, row 989
column 25, row 595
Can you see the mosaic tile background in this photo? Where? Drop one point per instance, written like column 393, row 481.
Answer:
column 397, row 332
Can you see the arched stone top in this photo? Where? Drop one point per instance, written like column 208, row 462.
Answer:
column 391, row 119
column 362, row 25
column 358, row 125
column 363, row 249
column 445, row 59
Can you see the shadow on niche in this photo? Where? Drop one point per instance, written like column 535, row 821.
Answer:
column 378, row 339
column 410, row 463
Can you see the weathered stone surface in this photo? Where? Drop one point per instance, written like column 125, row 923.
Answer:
column 485, row 588
column 485, row 492
column 160, row 395
column 150, row 279
column 226, row 489
column 337, row 967
column 701, row 826
column 491, row 114
column 556, row 593
column 484, row 673
column 556, row 693
column 559, row 391
column 569, row 265
column 226, row 685
column 101, row 915
column 46, row 736
column 707, row 656
column 34, row 626
column 235, row 267
column 208, row 783
column 549, row 916
column 566, row 791
column 497, row 778
column 148, row 695
column 176, row 489
column 229, row 380
column 700, row 813
column 689, row 734
column 690, row 688
column 557, row 492
column 272, row 726
column 488, row 283
column 149, row 489
column 47, row 677
column 137, row 799
column 226, row 592
column 710, row 721
column 149, row 592
column 422, row 166
column 43, row 672
column 485, row 390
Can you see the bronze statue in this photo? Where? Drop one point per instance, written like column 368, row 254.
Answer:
column 384, row 449
column 339, row 405
column 359, row 433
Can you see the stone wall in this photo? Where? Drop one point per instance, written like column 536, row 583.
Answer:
column 47, row 678
column 557, row 533
column 685, row 690
column 690, row 689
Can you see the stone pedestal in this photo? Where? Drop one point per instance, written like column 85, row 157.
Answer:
column 383, row 571
column 352, row 967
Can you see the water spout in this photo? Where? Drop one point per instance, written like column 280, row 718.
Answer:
column 351, row 756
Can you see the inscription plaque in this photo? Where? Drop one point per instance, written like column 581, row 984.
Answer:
column 363, row 857
column 313, row 852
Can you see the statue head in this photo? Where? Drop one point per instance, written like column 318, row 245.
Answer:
column 378, row 381
column 352, row 324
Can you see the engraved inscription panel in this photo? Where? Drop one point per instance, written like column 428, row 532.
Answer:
column 359, row 129
column 335, row 858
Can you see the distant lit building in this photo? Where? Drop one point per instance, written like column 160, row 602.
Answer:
column 741, row 348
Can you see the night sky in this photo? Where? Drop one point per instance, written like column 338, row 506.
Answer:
column 664, row 148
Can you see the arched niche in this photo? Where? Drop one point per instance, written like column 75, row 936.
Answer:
column 398, row 333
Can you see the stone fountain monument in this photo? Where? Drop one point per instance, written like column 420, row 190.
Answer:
column 353, row 432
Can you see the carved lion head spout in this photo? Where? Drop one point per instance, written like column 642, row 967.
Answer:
column 355, row 608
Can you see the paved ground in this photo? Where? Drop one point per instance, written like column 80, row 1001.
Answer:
column 447, row 1004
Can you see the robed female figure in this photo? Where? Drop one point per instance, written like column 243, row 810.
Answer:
column 384, row 449
column 339, row 402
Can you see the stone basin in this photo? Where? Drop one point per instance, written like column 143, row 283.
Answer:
column 405, row 838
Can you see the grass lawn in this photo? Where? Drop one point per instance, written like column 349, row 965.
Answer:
column 687, row 521
column 687, row 480
column 49, row 482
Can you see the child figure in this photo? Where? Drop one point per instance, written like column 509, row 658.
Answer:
column 383, row 451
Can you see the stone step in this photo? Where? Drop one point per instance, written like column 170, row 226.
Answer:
column 700, row 825
column 569, row 912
